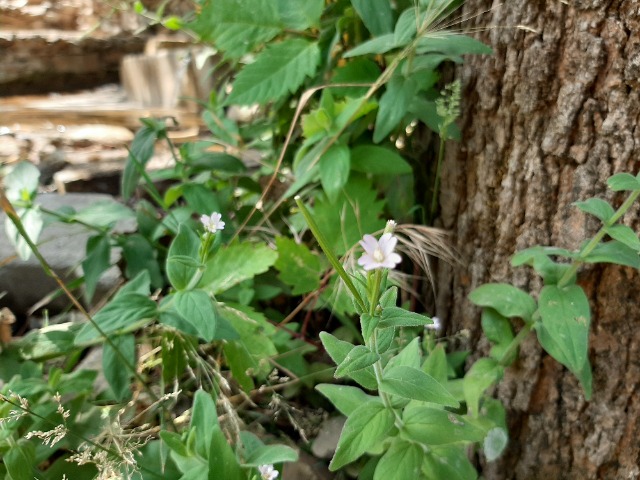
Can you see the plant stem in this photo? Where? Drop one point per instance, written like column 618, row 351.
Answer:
column 588, row 248
column 515, row 343
column 324, row 245
column 436, row 182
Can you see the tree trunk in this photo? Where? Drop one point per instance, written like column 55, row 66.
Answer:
column 546, row 120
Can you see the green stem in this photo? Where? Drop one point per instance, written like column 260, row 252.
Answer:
column 15, row 219
column 515, row 343
column 384, row 397
column 588, row 248
column 324, row 245
column 375, row 292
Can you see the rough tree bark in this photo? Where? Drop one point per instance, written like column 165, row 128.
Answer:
column 546, row 120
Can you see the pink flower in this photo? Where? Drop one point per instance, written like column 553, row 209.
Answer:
column 379, row 253
column 267, row 472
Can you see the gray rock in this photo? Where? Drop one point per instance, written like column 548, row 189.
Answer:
column 324, row 446
column 63, row 246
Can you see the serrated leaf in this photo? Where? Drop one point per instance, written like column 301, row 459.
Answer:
column 378, row 161
column 623, row 181
column 346, row 399
column 115, row 371
column 300, row 14
column 393, row 105
column 614, row 252
column 482, row 374
column 365, row 428
column 566, row 318
column 505, row 299
column 414, row 384
column 375, row 14
column 359, row 358
column 235, row 263
column 279, row 70
column 298, row 266
column 624, row 235
column 237, row 26
column 596, row 207
column 452, row 44
column 399, row 317
column 196, row 308
column 334, row 169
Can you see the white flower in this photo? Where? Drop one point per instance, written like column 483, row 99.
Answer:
column 379, row 253
column 436, row 325
column 268, row 472
column 212, row 223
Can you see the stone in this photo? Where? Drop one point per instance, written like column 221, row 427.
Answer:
column 324, row 445
column 63, row 246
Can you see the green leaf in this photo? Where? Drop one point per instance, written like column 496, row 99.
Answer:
column 47, row 342
column 334, row 170
column 300, row 14
column 482, row 374
column 359, row 70
column 496, row 327
column 434, row 426
column 375, row 14
column 31, row 219
column 596, row 207
column 96, row 261
column 223, row 462
column 338, row 351
column 103, row 213
column 279, row 70
column 270, row 454
column 399, row 317
column 356, row 212
column 236, row 263
column 436, row 364
column 623, row 181
column 140, row 153
column 115, row 371
column 20, row 461
column 377, row 46
column 410, row 355
column 624, row 235
column 125, row 313
column 448, row 462
column 140, row 256
column 196, row 308
column 406, row 27
column 204, row 417
column 494, row 443
column 393, row 105
column 566, row 317
column 539, row 258
column 182, row 259
column 365, row 428
column 346, row 399
column 505, row 299
column 200, row 198
column 378, row 161
column 452, row 44
column 614, row 252
column 238, row 26
column 21, row 183
column 414, row 384
column 401, row 461
column 359, row 358
column 298, row 266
